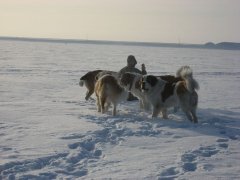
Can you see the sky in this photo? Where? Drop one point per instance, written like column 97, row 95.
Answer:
column 173, row 21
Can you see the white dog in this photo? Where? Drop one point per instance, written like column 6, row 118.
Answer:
column 108, row 91
column 162, row 94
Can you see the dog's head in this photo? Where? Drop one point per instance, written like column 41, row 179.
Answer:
column 126, row 80
column 148, row 82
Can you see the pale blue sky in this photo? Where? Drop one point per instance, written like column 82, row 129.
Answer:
column 187, row 21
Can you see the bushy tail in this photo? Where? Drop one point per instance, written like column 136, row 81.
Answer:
column 103, row 88
column 186, row 73
column 82, row 80
column 81, row 83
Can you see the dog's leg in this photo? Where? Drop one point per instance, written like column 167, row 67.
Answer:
column 194, row 102
column 164, row 113
column 189, row 115
column 114, row 112
column 107, row 106
column 146, row 105
column 195, row 119
column 102, row 103
column 141, row 104
column 88, row 94
column 98, row 104
column 156, row 110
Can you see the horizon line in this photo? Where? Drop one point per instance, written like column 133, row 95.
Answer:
column 208, row 45
column 76, row 39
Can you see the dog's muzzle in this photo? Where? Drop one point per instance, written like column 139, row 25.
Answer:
column 143, row 86
column 121, row 83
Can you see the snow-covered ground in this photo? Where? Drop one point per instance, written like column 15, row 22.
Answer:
column 49, row 131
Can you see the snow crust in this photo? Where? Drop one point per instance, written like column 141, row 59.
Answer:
column 49, row 131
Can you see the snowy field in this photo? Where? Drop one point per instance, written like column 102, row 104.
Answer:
column 49, row 131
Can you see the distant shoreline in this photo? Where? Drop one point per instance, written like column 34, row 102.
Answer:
column 209, row 45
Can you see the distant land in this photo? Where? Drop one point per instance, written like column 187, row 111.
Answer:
column 209, row 45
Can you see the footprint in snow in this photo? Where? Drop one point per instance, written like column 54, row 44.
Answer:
column 169, row 173
column 188, row 163
column 223, row 145
column 222, row 140
column 189, row 166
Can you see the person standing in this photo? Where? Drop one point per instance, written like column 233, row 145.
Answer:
column 131, row 63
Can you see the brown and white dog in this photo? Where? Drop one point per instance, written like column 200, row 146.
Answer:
column 108, row 91
column 162, row 94
column 90, row 78
column 132, row 83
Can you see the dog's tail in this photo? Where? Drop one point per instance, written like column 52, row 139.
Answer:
column 103, row 84
column 186, row 73
column 83, row 79
column 81, row 83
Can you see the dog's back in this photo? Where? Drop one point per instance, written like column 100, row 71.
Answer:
column 89, row 77
column 108, row 86
column 102, row 73
column 170, row 78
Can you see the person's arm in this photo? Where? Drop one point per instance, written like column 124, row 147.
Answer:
column 144, row 72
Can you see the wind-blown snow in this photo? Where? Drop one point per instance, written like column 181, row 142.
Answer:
column 49, row 131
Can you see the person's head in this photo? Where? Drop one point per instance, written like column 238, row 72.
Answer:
column 131, row 61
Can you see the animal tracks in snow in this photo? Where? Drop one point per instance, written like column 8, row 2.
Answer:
column 189, row 160
column 84, row 150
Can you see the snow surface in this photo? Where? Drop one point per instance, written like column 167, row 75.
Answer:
column 49, row 131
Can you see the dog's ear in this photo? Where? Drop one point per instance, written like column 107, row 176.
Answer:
column 138, row 84
column 152, row 80
column 96, row 77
